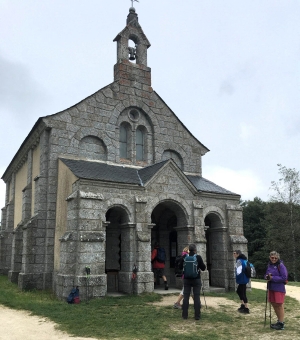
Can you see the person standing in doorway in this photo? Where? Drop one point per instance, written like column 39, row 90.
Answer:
column 158, row 264
column 189, row 283
column 241, row 280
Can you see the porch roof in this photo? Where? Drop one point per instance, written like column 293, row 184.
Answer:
column 101, row 171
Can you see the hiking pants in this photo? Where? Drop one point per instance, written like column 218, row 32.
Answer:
column 187, row 285
column 241, row 291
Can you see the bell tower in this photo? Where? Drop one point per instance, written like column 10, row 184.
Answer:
column 132, row 60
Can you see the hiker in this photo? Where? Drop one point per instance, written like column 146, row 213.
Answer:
column 189, row 283
column 177, row 304
column 158, row 264
column 241, row 280
column 277, row 275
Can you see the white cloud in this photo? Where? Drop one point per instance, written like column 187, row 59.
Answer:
column 243, row 182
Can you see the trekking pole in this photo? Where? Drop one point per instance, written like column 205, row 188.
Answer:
column 204, row 296
column 266, row 303
column 88, row 272
column 270, row 313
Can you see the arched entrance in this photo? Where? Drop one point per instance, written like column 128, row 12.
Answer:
column 215, row 250
column 167, row 217
column 115, row 250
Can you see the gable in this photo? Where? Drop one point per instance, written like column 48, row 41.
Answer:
column 171, row 177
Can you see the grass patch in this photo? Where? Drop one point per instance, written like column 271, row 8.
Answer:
column 136, row 317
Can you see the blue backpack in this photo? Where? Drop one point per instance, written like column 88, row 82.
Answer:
column 190, row 267
column 74, row 296
column 161, row 255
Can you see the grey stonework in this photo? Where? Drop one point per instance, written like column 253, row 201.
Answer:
column 111, row 225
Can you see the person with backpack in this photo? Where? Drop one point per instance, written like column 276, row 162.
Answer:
column 192, row 264
column 185, row 251
column 242, row 280
column 158, row 259
column 277, row 276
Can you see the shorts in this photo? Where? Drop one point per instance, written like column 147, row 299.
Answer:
column 276, row 297
column 158, row 272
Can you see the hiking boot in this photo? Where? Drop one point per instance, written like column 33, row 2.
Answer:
column 241, row 309
column 177, row 305
column 245, row 311
column 279, row 326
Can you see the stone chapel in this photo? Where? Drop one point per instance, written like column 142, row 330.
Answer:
column 94, row 186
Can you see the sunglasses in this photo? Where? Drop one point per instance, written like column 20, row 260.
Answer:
column 273, row 258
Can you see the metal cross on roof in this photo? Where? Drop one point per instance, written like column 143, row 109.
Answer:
column 132, row 1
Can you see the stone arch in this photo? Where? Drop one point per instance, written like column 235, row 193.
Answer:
column 216, row 246
column 92, row 147
column 86, row 131
column 169, row 218
column 118, row 203
column 118, row 247
column 186, row 209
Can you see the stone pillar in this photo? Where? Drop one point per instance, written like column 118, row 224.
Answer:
column 6, row 236
column 200, row 240
column 33, row 273
column 144, row 281
column 82, row 246
column 128, row 258
column 236, row 239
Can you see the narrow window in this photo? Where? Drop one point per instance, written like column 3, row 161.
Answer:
column 139, row 145
column 123, row 142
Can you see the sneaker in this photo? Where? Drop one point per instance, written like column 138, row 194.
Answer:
column 177, row 305
column 279, row 326
column 245, row 311
column 241, row 309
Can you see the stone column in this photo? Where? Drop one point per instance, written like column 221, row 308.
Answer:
column 128, row 258
column 6, row 236
column 200, row 240
column 144, row 281
column 82, row 246
column 236, row 239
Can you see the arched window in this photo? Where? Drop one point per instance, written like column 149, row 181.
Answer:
column 123, row 142
column 167, row 154
column 140, row 136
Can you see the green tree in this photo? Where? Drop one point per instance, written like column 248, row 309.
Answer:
column 284, row 215
column 254, row 214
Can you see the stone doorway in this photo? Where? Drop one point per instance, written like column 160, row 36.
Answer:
column 115, row 250
column 167, row 216
column 216, row 254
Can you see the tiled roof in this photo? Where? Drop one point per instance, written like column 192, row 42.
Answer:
column 122, row 174
column 203, row 184
column 102, row 171
column 147, row 173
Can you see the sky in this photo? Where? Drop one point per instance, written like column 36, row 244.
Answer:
column 229, row 70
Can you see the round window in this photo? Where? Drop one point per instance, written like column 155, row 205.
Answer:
column 134, row 115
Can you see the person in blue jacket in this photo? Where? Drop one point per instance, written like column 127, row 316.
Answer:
column 241, row 280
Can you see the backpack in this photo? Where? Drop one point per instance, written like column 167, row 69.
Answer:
column 190, row 267
column 74, row 296
column 249, row 270
column 178, row 271
column 161, row 255
column 278, row 267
